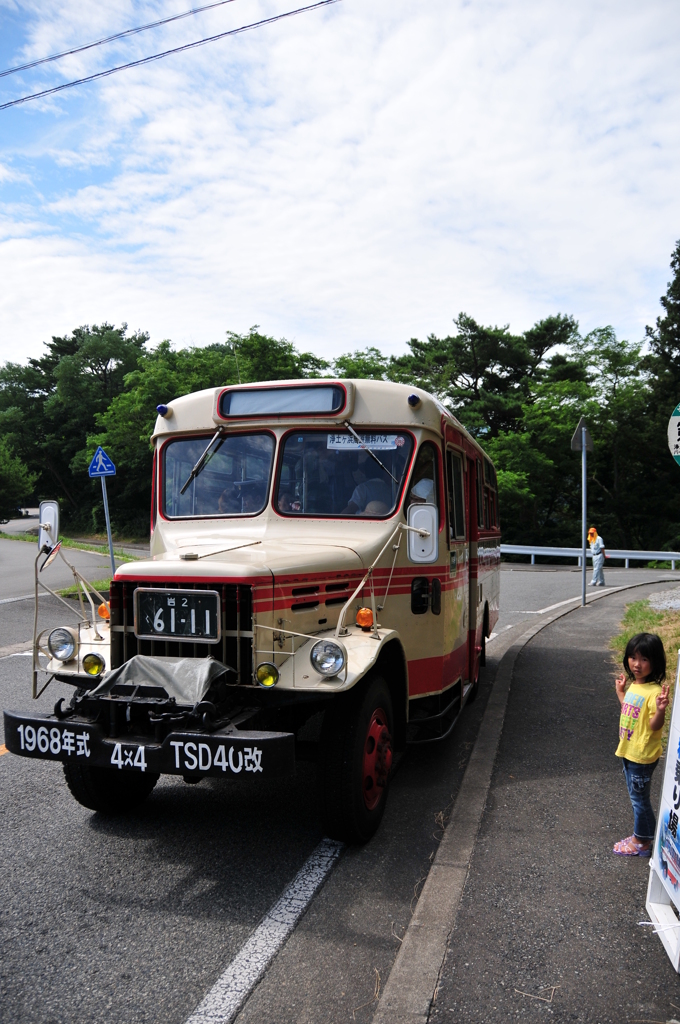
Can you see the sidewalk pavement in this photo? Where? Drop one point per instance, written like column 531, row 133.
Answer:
column 547, row 927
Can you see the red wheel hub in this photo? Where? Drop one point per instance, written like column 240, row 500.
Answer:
column 377, row 759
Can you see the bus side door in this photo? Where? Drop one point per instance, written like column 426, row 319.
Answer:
column 456, row 590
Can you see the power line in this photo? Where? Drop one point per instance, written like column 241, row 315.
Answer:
column 166, row 53
column 110, row 39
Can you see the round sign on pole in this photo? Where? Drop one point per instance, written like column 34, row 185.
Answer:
column 674, row 434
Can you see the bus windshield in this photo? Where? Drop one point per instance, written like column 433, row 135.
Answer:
column 234, row 480
column 334, row 474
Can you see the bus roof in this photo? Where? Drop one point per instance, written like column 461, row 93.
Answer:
column 363, row 402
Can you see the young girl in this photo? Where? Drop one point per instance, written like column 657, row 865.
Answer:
column 643, row 709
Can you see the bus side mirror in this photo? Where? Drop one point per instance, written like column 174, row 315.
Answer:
column 423, row 550
column 48, row 531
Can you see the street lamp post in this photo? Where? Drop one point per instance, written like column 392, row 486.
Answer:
column 583, row 442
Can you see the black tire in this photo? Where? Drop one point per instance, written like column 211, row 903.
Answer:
column 357, row 750
column 108, row 790
column 482, row 661
column 482, row 653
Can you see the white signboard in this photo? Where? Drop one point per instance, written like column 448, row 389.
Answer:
column 376, row 442
column 663, row 893
column 674, row 434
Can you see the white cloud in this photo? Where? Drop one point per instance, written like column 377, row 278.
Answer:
column 347, row 177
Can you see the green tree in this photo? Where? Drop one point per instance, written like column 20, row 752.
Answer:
column 48, row 405
column 16, row 482
column 370, row 364
column 659, row 485
column 124, row 429
column 484, row 374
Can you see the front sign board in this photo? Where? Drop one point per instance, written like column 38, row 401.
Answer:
column 376, row 442
column 674, row 434
column 101, row 464
column 663, row 895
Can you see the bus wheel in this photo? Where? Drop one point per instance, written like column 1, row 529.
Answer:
column 106, row 789
column 357, row 758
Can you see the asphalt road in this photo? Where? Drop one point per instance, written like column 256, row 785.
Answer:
column 133, row 920
column 17, row 562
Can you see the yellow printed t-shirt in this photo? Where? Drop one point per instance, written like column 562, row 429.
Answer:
column 637, row 742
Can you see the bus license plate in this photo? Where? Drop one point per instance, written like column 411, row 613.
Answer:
column 192, row 615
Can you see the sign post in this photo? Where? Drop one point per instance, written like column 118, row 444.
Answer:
column 663, row 891
column 101, row 466
column 583, row 442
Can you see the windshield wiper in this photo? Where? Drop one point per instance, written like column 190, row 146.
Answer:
column 367, row 449
column 203, row 459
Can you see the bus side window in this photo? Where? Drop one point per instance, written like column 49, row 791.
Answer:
column 423, row 487
column 454, row 478
column 480, row 494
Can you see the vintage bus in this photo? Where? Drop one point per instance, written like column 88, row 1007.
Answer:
column 323, row 575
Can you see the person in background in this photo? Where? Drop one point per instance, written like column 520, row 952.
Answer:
column 597, row 548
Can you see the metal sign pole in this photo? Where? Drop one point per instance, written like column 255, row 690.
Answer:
column 102, row 466
column 584, row 512
column 108, row 526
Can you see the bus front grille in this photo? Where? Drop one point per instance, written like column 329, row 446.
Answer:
column 234, row 649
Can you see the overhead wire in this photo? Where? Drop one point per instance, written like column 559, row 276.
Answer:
column 165, row 53
column 111, row 39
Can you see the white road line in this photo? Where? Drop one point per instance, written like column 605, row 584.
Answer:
column 231, row 990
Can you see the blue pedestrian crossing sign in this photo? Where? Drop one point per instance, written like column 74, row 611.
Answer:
column 101, row 464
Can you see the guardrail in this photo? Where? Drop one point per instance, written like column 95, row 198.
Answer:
column 612, row 553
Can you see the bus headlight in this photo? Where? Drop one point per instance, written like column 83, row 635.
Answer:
column 93, row 664
column 267, row 675
column 328, row 657
column 62, row 644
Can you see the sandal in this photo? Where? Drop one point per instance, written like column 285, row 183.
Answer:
column 632, row 847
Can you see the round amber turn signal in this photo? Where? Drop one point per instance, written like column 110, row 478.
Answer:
column 104, row 610
column 365, row 618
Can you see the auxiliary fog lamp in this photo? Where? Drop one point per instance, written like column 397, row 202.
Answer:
column 62, row 644
column 328, row 657
column 267, row 675
column 93, row 664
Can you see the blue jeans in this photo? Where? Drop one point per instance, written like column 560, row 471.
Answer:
column 639, row 782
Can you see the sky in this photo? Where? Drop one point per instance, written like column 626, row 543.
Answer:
column 354, row 175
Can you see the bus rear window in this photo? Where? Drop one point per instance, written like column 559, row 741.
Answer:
column 308, row 400
column 332, row 474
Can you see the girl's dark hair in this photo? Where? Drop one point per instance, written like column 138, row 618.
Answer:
column 649, row 645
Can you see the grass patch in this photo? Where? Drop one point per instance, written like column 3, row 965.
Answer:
column 639, row 617
column 101, row 585
column 101, row 549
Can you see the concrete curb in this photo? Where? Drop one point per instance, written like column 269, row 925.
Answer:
column 412, row 984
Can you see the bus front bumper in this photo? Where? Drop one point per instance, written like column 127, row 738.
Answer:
column 227, row 752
